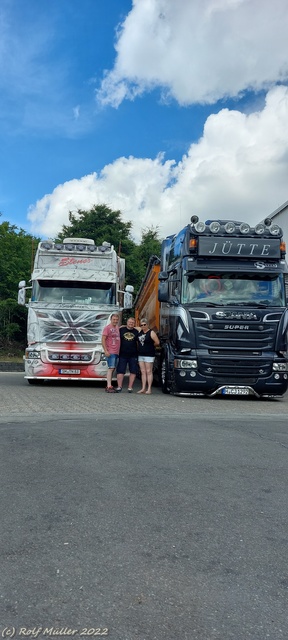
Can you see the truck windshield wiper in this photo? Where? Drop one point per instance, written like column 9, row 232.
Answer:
column 208, row 304
column 246, row 304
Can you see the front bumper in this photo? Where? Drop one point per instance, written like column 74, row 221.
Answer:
column 194, row 383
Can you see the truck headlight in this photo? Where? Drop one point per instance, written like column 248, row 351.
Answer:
column 30, row 353
column 185, row 364
column 280, row 366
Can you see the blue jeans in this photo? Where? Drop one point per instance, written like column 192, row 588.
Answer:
column 112, row 361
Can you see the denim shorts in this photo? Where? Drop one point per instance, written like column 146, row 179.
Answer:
column 112, row 361
column 132, row 364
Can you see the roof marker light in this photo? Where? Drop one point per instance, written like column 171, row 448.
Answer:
column 244, row 227
column 229, row 227
column 46, row 245
column 200, row 227
column 214, row 227
column 260, row 228
column 275, row 230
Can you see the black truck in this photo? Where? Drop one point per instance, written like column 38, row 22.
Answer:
column 223, row 319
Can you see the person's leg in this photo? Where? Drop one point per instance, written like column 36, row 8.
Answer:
column 132, row 377
column 112, row 363
column 109, row 377
column 133, row 364
column 120, row 377
column 121, row 369
column 149, row 375
column 143, row 376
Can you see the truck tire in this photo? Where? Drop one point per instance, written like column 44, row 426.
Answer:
column 164, row 376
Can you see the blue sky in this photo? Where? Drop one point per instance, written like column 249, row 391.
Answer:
column 157, row 108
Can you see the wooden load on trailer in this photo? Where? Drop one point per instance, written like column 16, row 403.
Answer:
column 146, row 303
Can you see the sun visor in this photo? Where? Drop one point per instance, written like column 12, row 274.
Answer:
column 193, row 265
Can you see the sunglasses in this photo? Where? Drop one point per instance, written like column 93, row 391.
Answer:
column 144, row 324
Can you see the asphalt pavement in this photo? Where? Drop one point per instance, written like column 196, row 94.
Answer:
column 141, row 517
column 19, row 399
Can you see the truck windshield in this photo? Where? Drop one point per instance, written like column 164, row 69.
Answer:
column 73, row 292
column 234, row 288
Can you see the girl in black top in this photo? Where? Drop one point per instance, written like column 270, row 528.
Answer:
column 147, row 341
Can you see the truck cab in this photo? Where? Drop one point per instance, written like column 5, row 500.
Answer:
column 223, row 316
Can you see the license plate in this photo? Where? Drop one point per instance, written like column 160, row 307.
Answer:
column 68, row 372
column 235, row 391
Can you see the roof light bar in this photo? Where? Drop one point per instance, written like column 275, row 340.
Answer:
column 231, row 227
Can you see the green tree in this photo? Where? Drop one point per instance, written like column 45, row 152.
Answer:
column 102, row 224
column 16, row 261
column 16, row 258
column 12, row 323
column 150, row 245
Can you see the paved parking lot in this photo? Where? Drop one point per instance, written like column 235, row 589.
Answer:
column 155, row 516
column 19, row 399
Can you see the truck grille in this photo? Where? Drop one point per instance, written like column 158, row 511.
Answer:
column 67, row 356
column 215, row 335
column 232, row 349
column 235, row 368
column 237, row 380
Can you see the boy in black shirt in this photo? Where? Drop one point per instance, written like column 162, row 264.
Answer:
column 128, row 354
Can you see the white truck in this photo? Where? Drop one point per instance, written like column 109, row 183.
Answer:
column 76, row 286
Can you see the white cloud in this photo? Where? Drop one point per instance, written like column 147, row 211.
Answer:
column 76, row 112
column 238, row 170
column 198, row 51
column 131, row 185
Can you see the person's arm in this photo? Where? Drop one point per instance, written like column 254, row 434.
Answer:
column 104, row 337
column 155, row 338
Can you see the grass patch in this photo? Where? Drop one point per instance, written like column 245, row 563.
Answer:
column 13, row 353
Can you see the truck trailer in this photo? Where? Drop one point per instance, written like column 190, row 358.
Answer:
column 219, row 303
column 75, row 287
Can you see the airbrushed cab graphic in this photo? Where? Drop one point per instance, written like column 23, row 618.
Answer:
column 223, row 310
column 76, row 286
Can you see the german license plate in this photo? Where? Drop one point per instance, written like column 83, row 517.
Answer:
column 70, row 372
column 235, row 391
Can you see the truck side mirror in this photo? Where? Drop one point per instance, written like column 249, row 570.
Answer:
column 128, row 300
column 163, row 275
column 163, row 295
column 22, row 296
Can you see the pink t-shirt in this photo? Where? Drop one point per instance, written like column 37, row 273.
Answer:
column 112, row 338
